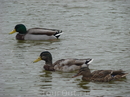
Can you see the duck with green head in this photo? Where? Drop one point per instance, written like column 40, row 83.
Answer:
column 35, row 33
column 65, row 65
column 99, row 75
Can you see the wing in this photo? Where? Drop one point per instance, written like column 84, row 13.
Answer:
column 43, row 31
column 65, row 65
column 101, row 73
column 71, row 61
column 118, row 73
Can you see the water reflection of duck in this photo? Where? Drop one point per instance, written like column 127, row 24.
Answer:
column 35, row 33
column 83, row 85
column 62, row 64
column 45, row 80
column 100, row 75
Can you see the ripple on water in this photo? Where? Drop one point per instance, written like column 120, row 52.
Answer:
column 92, row 29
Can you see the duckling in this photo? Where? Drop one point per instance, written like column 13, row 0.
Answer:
column 35, row 33
column 65, row 65
column 99, row 75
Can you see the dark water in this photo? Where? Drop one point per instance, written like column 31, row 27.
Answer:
column 98, row 29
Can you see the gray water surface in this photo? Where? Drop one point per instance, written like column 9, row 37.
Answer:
column 98, row 29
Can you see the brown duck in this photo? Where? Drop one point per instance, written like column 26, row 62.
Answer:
column 100, row 75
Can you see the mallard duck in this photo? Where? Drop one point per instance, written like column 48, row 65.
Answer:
column 35, row 33
column 99, row 75
column 62, row 64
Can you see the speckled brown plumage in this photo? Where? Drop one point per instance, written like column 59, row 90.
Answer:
column 100, row 75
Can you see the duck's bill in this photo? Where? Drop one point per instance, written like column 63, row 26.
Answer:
column 38, row 59
column 76, row 75
column 12, row 31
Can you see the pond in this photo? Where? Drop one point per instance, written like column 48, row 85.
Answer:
column 91, row 29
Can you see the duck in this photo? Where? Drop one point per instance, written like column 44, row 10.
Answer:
column 35, row 33
column 99, row 75
column 65, row 65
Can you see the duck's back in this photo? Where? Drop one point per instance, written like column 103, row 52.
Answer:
column 107, row 75
column 101, row 73
column 42, row 31
column 40, row 34
column 68, row 64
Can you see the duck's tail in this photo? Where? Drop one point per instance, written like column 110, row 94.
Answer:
column 58, row 33
column 89, row 60
column 119, row 73
column 125, row 74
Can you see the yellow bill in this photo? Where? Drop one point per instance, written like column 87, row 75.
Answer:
column 38, row 59
column 12, row 31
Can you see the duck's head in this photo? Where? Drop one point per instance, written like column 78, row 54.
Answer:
column 84, row 70
column 19, row 28
column 46, row 56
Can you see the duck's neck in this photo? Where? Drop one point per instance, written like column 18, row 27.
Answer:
column 87, row 73
column 49, row 66
column 48, row 61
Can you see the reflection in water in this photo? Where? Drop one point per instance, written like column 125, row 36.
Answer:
column 83, row 85
column 46, row 82
column 36, row 43
column 41, row 44
column 46, row 78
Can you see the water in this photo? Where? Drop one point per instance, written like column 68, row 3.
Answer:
column 92, row 29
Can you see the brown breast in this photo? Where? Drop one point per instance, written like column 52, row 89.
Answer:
column 49, row 68
column 20, row 37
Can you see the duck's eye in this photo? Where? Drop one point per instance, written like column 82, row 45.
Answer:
column 43, row 57
column 44, row 54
